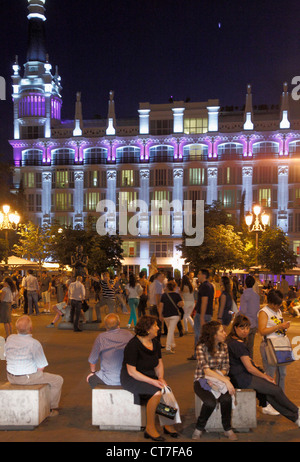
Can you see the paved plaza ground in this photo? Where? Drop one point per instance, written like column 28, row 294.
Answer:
column 67, row 353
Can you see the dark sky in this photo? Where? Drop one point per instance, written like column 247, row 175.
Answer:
column 149, row 50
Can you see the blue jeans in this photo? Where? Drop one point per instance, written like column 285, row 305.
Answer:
column 278, row 371
column 197, row 325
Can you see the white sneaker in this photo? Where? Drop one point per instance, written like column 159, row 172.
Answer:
column 269, row 410
column 197, row 434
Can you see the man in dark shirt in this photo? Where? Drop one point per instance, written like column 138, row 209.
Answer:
column 204, row 305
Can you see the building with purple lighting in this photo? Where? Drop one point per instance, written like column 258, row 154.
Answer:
column 175, row 152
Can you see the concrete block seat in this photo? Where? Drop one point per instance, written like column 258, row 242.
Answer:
column 113, row 408
column 243, row 415
column 23, row 407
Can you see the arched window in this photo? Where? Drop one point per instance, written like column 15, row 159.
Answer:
column 95, row 156
column 63, row 156
column 32, row 157
column 195, row 152
column 230, row 150
column 294, row 147
column 265, row 148
column 162, row 153
column 128, row 155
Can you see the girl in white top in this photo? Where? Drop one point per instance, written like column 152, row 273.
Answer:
column 272, row 324
column 187, row 294
column 133, row 290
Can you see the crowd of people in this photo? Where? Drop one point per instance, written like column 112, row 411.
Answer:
column 223, row 315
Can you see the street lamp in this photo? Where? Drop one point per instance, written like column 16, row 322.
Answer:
column 261, row 219
column 8, row 220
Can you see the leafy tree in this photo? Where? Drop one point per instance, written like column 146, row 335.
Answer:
column 274, row 251
column 34, row 242
column 102, row 251
column 222, row 249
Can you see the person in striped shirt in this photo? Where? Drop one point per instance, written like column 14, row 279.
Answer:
column 108, row 293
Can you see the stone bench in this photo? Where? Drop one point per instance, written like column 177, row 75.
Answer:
column 113, row 408
column 23, row 407
column 243, row 415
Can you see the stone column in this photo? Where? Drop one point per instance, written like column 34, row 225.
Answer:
column 212, row 183
column 78, row 198
column 283, row 197
column 46, row 197
column 247, row 174
column 178, row 201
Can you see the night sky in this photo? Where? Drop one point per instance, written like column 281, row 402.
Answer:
column 150, row 50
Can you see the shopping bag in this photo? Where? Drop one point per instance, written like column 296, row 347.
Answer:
column 279, row 351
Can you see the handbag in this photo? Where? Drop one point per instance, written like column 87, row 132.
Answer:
column 166, row 411
column 164, row 408
column 85, row 306
column 279, row 351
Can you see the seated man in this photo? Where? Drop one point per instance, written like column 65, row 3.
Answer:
column 25, row 362
column 109, row 348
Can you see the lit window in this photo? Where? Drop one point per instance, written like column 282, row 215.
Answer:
column 264, row 197
column 127, row 178
column 195, row 125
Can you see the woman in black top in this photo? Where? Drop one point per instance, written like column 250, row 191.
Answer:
column 225, row 309
column 244, row 374
column 170, row 303
column 143, row 372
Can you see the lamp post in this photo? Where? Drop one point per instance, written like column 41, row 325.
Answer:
column 8, row 220
column 256, row 222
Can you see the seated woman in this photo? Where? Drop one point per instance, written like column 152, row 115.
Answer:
column 143, row 373
column 213, row 364
column 244, row 373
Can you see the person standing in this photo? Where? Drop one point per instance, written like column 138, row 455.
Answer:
column 7, row 296
column 170, row 303
column 204, row 305
column 225, row 307
column 32, row 286
column 76, row 296
column 45, row 288
column 187, row 294
column 271, row 324
column 144, row 297
column 250, row 306
column 284, row 287
column 156, row 289
column 108, row 294
column 133, row 290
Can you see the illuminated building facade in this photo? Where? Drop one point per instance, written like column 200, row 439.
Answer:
column 175, row 152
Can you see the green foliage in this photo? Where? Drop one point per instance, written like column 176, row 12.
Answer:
column 34, row 242
column 222, row 247
column 274, row 251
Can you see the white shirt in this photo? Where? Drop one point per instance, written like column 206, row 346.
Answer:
column 134, row 292
column 274, row 318
column 76, row 291
column 31, row 283
column 24, row 355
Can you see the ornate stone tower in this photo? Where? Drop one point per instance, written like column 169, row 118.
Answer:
column 37, row 95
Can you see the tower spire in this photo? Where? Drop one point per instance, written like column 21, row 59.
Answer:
column 36, row 50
